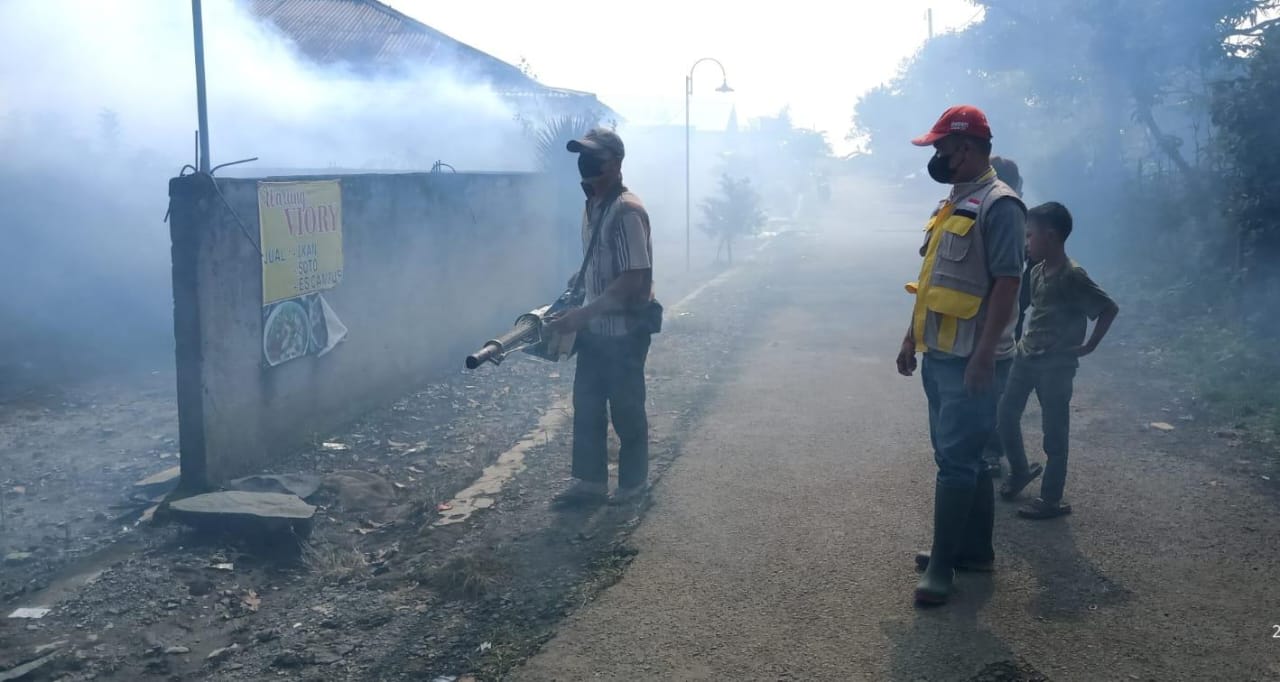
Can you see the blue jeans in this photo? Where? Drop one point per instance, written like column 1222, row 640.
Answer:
column 960, row 424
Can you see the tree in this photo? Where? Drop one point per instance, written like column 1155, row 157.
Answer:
column 734, row 213
column 1244, row 110
column 550, row 141
column 1105, row 103
column 552, row 158
column 788, row 162
column 109, row 129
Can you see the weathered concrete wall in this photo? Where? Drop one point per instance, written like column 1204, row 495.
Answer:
column 434, row 264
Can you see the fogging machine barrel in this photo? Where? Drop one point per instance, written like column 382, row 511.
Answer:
column 525, row 331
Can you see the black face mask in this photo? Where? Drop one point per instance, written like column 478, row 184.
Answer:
column 940, row 168
column 590, row 166
column 587, row 189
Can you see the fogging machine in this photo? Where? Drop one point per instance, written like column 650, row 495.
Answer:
column 530, row 334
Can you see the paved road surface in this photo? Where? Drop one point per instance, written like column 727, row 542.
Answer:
column 779, row 545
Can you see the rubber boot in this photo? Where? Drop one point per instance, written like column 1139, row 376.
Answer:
column 976, row 552
column 951, row 508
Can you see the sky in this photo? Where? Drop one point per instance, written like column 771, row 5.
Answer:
column 817, row 56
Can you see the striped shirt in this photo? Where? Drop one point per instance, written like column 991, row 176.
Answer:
column 623, row 245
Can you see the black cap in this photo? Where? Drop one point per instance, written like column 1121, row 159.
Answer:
column 599, row 140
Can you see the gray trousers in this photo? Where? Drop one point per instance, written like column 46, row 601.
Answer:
column 610, row 383
column 1053, row 381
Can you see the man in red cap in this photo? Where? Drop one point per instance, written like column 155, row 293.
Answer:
column 965, row 310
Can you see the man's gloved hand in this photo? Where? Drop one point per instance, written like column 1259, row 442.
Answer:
column 907, row 358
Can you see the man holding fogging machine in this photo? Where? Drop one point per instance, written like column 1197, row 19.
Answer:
column 614, row 325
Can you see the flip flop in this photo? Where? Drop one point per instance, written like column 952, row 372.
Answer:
column 572, row 499
column 1041, row 510
column 1013, row 485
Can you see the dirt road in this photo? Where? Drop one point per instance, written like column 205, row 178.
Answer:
column 779, row 545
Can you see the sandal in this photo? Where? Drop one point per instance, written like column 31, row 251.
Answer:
column 1041, row 510
column 581, row 494
column 1013, row 485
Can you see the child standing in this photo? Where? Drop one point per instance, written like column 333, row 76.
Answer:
column 1008, row 173
column 1063, row 300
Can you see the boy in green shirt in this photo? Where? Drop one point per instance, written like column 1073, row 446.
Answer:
column 1063, row 300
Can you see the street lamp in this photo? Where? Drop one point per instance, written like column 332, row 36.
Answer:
column 688, row 93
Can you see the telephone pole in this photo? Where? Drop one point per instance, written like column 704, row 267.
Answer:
column 929, row 16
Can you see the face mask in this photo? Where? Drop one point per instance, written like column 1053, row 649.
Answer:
column 590, row 166
column 940, row 168
column 587, row 189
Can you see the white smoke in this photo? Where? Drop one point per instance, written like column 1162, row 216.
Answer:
column 97, row 111
column 69, row 60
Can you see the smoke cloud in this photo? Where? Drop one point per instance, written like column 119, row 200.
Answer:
column 97, row 111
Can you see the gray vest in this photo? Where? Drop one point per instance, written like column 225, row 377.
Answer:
column 961, row 281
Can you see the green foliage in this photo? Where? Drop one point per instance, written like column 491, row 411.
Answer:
column 1244, row 109
column 1103, row 103
column 1233, row 376
column 109, row 128
column 550, row 140
column 788, row 162
column 1154, row 120
column 735, row 212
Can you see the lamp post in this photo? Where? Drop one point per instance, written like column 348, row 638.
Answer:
column 688, row 207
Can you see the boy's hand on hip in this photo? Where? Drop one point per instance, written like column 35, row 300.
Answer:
column 980, row 374
column 1081, row 351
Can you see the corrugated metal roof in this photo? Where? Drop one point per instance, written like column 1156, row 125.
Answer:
column 369, row 36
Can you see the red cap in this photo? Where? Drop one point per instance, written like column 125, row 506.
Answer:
column 959, row 120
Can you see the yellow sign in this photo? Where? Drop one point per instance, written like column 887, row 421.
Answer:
column 301, row 236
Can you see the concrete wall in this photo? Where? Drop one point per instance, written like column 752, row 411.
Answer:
column 434, row 265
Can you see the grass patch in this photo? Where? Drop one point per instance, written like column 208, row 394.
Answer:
column 609, row 568
column 1235, row 376
column 334, row 563
column 468, row 577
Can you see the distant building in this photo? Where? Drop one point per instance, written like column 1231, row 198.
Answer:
column 370, row 37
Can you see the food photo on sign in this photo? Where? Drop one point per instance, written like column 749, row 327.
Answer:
column 298, row 327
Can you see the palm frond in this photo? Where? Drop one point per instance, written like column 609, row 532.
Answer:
column 550, row 140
